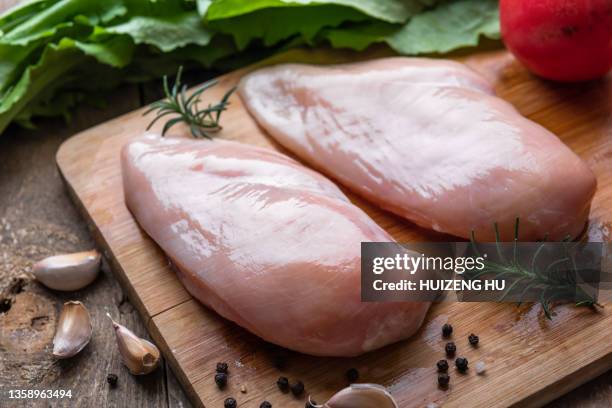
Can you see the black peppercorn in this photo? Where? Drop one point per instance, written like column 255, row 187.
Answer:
column 352, row 375
column 265, row 404
column 442, row 366
column 222, row 368
column 230, row 403
column 461, row 363
column 443, row 380
column 283, row 384
column 473, row 339
column 221, row 379
column 450, row 349
column 111, row 379
column 297, row 388
column 310, row 404
column 447, row 330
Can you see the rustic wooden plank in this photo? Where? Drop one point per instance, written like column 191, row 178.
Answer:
column 176, row 396
column 530, row 360
column 36, row 220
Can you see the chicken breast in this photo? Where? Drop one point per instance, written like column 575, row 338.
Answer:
column 264, row 241
column 427, row 140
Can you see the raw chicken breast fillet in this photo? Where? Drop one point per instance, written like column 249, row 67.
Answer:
column 264, row 241
column 428, row 140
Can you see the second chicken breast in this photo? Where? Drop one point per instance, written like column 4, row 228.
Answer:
column 427, row 140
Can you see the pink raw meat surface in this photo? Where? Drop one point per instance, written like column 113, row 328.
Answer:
column 264, row 241
column 428, row 140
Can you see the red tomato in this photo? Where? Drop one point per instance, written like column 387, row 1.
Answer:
column 562, row 40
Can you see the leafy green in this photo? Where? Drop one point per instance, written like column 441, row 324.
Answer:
column 56, row 54
column 259, row 19
column 451, row 25
column 166, row 33
column 12, row 57
column 116, row 51
column 21, row 13
column 62, row 14
column 55, row 61
column 394, row 11
column 360, row 37
column 262, row 24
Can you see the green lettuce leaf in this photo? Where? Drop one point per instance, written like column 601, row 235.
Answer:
column 451, row 25
column 61, row 14
column 166, row 33
column 394, row 11
column 116, row 51
column 263, row 24
column 360, row 36
column 13, row 59
column 54, row 67
column 21, row 13
column 260, row 19
column 55, row 61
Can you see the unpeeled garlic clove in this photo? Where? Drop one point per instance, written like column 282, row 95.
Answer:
column 139, row 355
column 68, row 271
column 73, row 330
column 361, row 396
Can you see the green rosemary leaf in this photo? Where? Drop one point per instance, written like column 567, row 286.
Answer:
column 552, row 284
column 498, row 241
column 555, row 263
column 507, row 291
column 516, row 236
column 170, row 123
column 535, row 256
column 201, row 122
column 201, row 89
column 157, row 118
column 224, row 101
column 165, row 83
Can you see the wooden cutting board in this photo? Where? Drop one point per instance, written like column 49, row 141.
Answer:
column 529, row 359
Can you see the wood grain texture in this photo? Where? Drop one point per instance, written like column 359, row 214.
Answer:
column 37, row 219
column 530, row 360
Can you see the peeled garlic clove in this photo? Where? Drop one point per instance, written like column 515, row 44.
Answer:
column 362, row 396
column 68, row 271
column 139, row 355
column 73, row 330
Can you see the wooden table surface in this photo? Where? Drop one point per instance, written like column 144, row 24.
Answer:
column 37, row 219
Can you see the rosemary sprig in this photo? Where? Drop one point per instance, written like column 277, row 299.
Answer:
column 186, row 109
column 551, row 286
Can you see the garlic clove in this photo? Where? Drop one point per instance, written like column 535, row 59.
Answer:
column 139, row 355
column 68, row 271
column 73, row 330
column 362, row 396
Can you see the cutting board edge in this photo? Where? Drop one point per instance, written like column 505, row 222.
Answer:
column 99, row 239
column 169, row 356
